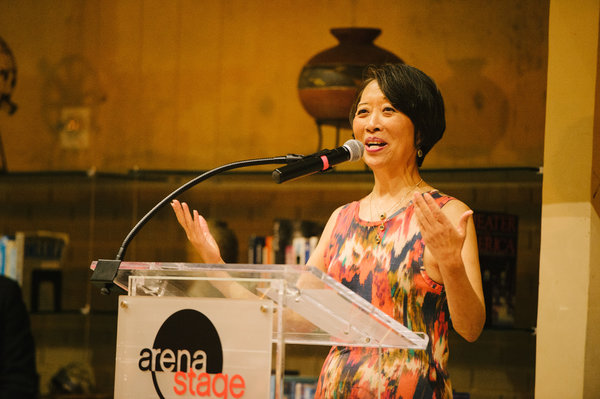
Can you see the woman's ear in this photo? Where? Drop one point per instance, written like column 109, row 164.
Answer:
column 419, row 148
column 418, row 140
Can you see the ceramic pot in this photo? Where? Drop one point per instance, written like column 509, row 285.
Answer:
column 329, row 80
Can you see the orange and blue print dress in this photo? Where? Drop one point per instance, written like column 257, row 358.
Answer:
column 391, row 276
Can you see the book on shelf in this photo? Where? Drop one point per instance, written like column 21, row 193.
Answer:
column 292, row 242
column 256, row 248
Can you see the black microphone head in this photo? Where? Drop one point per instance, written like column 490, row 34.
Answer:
column 355, row 148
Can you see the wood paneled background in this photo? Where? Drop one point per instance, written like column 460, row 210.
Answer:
column 192, row 84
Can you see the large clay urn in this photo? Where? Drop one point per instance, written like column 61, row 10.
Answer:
column 329, row 81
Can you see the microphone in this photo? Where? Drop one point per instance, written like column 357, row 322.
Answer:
column 352, row 150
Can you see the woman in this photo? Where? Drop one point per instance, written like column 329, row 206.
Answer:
column 407, row 248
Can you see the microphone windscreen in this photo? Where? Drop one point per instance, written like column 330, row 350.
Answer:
column 356, row 149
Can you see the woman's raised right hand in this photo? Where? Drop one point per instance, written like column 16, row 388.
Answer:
column 197, row 232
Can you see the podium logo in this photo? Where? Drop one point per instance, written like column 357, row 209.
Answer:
column 186, row 359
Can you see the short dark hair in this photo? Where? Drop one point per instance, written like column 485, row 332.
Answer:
column 414, row 94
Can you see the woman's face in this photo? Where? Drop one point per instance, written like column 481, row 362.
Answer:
column 387, row 134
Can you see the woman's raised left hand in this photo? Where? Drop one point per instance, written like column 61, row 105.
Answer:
column 444, row 240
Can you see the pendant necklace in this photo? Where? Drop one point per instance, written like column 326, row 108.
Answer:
column 383, row 215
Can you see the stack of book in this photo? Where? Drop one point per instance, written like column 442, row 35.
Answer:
column 291, row 243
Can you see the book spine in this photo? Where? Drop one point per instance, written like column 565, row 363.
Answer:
column 3, row 255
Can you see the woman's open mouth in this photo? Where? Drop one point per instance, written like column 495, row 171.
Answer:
column 374, row 144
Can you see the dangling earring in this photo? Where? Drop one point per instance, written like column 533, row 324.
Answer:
column 419, row 153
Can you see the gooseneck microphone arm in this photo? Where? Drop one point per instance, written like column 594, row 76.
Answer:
column 192, row 183
column 106, row 270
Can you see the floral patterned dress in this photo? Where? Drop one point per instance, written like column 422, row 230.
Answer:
column 392, row 277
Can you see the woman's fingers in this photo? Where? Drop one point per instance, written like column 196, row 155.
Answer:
column 176, row 205
column 438, row 231
column 197, row 232
column 428, row 213
column 188, row 220
column 195, row 226
column 185, row 218
column 202, row 226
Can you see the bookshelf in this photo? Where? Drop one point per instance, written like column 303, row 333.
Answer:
column 97, row 209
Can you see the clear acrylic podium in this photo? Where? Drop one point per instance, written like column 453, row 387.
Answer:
column 304, row 306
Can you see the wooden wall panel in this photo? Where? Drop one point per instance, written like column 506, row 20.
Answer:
column 193, row 84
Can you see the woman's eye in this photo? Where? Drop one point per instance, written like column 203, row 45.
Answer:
column 389, row 109
column 361, row 111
